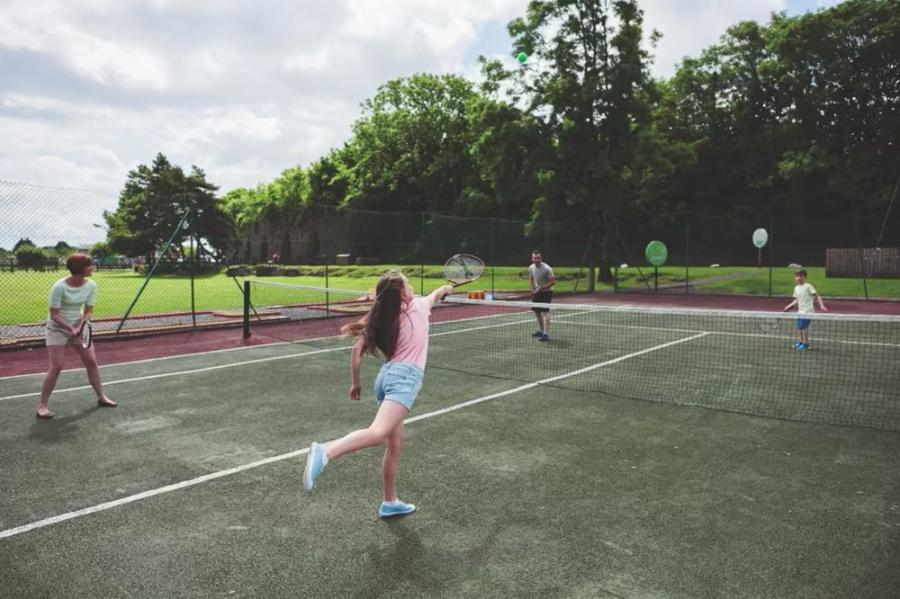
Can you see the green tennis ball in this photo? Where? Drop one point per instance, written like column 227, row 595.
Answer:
column 521, row 57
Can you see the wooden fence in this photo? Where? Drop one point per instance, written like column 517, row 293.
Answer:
column 879, row 263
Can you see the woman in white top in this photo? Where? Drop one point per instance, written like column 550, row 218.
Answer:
column 71, row 304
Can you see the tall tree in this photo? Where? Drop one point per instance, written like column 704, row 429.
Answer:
column 411, row 146
column 152, row 203
column 588, row 83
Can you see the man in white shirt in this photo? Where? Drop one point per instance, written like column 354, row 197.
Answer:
column 542, row 280
column 803, row 299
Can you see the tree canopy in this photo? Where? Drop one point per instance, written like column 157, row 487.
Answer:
column 799, row 115
column 153, row 202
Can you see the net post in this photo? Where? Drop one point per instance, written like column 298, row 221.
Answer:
column 246, row 334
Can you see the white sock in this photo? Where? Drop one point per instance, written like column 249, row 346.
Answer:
column 393, row 503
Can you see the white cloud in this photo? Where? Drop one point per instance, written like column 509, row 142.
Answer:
column 91, row 89
column 46, row 28
column 688, row 26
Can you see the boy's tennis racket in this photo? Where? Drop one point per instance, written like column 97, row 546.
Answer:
column 85, row 335
column 463, row 268
column 769, row 325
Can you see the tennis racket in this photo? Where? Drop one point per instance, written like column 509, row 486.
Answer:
column 769, row 325
column 463, row 268
column 85, row 335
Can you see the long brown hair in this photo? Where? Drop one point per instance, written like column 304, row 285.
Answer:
column 379, row 328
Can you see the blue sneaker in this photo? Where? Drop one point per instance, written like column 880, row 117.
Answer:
column 803, row 346
column 797, row 346
column 544, row 337
column 537, row 333
column 397, row 508
column 315, row 463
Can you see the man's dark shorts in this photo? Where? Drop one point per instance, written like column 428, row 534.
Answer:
column 542, row 297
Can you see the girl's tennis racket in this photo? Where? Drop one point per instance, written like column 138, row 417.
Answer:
column 463, row 268
column 85, row 335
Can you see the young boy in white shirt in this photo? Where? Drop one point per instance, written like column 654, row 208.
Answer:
column 803, row 299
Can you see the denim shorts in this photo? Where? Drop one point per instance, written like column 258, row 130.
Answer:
column 399, row 382
column 803, row 323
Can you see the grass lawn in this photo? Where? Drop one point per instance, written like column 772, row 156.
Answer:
column 754, row 281
column 24, row 293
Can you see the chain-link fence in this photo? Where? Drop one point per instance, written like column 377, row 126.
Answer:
column 346, row 243
column 350, row 248
column 41, row 226
column 328, row 247
column 852, row 255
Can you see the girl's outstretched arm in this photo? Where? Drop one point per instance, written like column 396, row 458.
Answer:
column 439, row 294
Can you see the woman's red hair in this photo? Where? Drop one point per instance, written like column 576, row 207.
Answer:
column 76, row 263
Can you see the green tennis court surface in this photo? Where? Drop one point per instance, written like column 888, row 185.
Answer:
column 564, row 488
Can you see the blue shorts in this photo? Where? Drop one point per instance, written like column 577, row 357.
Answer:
column 399, row 382
column 803, row 323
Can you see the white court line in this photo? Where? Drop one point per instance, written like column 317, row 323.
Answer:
column 726, row 333
column 245, row 347
column 11, row 532
column 180, row 372
column 258, row 360
column 160, row 358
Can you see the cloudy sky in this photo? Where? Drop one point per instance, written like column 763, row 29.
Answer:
column 91, row 88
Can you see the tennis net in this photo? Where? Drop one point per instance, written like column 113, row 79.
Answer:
column 735, row 361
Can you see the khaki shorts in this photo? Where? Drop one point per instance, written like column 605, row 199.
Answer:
column 57, row 336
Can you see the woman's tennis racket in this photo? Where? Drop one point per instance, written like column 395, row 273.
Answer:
column 85, row 335
column 463, row 268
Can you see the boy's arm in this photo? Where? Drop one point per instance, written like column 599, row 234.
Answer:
column 355, row 358
column 821, row 304
column 790, row 305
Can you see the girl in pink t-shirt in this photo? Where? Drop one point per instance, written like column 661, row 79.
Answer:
column 397, row 327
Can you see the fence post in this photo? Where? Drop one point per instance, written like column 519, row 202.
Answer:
column 193, row 265
column 152, row 270
column 422, row 255
column 493, row 258
column 687, row 255
column 862, row 256
column 771, row 249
